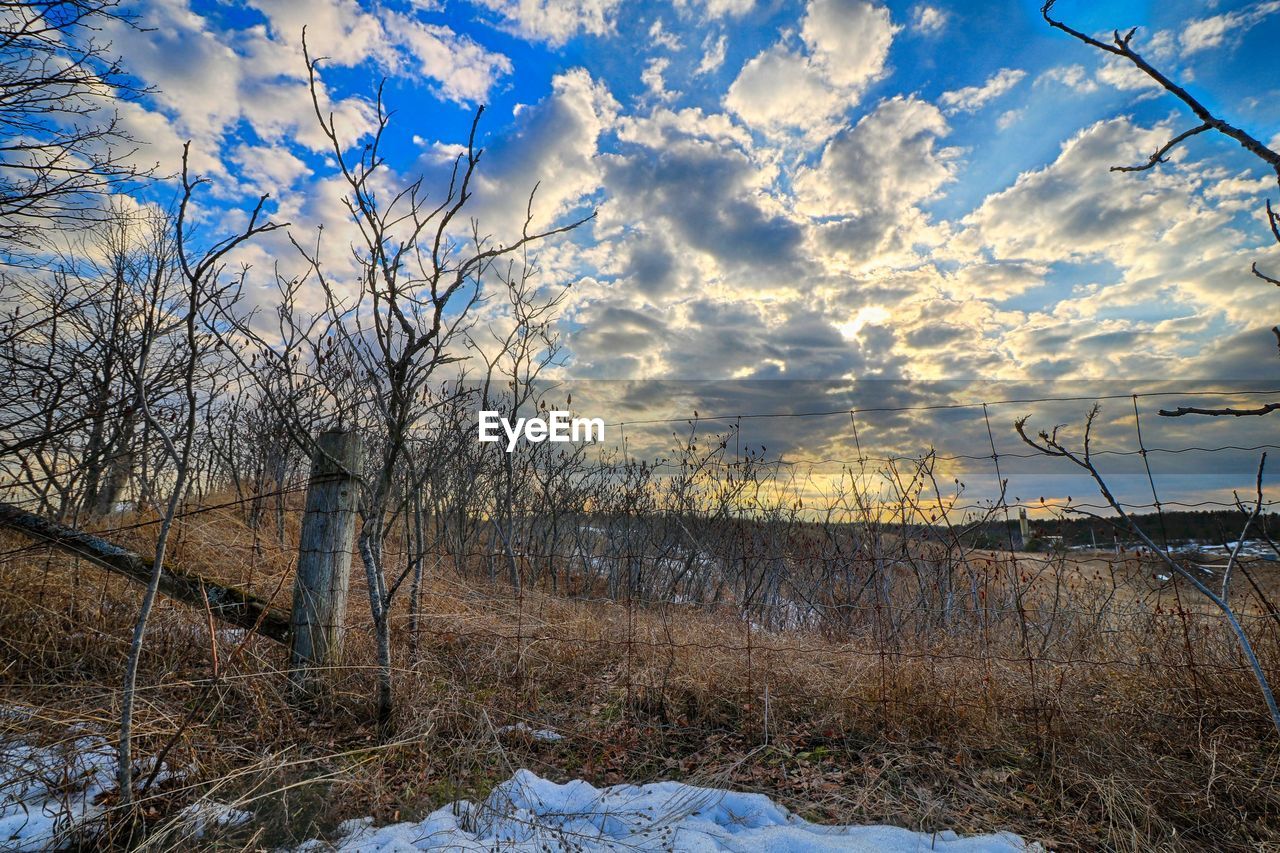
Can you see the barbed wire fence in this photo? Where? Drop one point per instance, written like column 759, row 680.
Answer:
column 870, row 602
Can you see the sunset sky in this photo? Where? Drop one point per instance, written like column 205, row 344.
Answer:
column 828, row 191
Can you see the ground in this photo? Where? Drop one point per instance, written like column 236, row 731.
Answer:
column 1104, row 716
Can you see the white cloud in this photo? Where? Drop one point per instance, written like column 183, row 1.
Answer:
column 555, row 21
column 267, row 168
column 1219, row 30
column 1076, row 208
column 344, row 33
column 208, row 80
column 662, row 37
column 663, row 126
column 928, row 20
column 1122, row 74
column 995, row 280
column 849, row 39
column 553, row 144
column 1009, row 118
column 846, row 46
column 465, row 71
column 972, row 98
column 715, row 9
column 870, row 179
column 889, row 160
column 654, row 81
column 713, row 53
column 873, row 315
column 1174, row 247
column 337, row 29
column 779, row 88
column 1074, row 77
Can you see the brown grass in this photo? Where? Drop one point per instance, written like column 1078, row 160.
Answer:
column 1147, row 735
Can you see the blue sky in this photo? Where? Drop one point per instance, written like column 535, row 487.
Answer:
column 833, row 190
column 728, row 108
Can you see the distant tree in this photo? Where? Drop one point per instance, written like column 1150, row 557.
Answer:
column 61, row 140
column 1122, row 46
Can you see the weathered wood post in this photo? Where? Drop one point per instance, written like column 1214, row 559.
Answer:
column 324, row 554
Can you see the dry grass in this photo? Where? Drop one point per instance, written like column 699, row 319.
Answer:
column 1147, row 735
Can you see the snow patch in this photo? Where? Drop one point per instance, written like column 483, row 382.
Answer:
column 545, row 735
column 49, row 794
column 527, row 813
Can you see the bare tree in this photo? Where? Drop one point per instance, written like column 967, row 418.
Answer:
column 70, row 432
column 420, row 270
column 1048, row 443
column 61, row 141
column 183, row 312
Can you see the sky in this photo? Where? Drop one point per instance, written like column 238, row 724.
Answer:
column 831, row 193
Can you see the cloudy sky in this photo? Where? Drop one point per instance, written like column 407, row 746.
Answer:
column 827, row 191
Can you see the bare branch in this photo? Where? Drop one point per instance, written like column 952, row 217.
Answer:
column 1159, row 156
column 1238, row 413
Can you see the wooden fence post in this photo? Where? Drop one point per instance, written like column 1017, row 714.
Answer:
column 324, row 554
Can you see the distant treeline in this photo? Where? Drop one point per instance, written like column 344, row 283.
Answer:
column 1209, row 527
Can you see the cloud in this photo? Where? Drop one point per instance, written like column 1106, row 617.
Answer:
column 1122, row 74
column 716, row 9
column 1171, row 245
column 663, row 126
column 1219, row 30
column 200, row 76
column 872, row 176
column 1076, row 208
column 1074, row 77
column 555, row 21
column 346, row 34
column 661, row 37
column 845, row 48
column 337, row 29
column 708, row 196
column 928, row 20
column 653, row 79
column 209, row 79
column 268, row 169
column 1116, row 73
column 465, row 71
column 1009, row 118
column 972, row 98
column 780, row 89
column 996, row 280
column 889, row 159
column 553, row 144
column 713, row 53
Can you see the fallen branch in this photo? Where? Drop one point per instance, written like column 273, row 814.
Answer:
column 227, row 604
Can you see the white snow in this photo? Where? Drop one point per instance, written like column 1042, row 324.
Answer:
column 47, row 793
column 50, row 793
column 527, row 813
column 545, row 735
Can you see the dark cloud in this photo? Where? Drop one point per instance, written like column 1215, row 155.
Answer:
column 707, row 197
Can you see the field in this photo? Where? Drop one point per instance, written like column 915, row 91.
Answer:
column 1103, row 709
